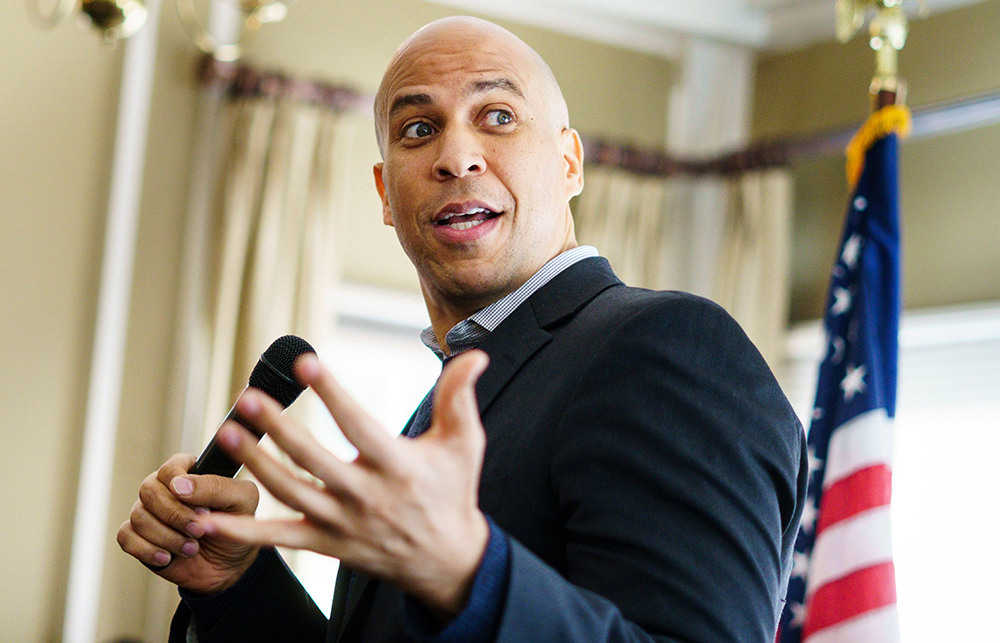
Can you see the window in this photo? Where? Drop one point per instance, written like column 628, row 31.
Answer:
column 947, row 434
column 375, row 353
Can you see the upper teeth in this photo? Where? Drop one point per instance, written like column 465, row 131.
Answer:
column 466, row 213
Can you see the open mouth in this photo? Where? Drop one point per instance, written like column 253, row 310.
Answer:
column 468, row 219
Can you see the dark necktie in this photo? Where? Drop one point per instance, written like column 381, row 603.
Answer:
column 422, row 418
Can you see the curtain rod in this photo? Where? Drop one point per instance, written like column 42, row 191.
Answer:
column 947, row 117
column 240, row 79
column 930, row 120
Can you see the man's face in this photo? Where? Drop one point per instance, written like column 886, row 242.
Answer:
column 478, row 165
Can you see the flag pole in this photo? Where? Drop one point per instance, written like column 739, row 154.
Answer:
column 887, row 32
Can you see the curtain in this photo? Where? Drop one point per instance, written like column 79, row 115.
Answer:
column 642, row 224
column 268, row 188
column 752, row 281
column 276, row 227
column 632, row 220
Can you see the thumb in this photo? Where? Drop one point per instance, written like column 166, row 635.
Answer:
column 232, row 495
column 455, row 407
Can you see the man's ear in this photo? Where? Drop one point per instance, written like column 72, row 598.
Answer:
column 572, row 152
column 380, row 186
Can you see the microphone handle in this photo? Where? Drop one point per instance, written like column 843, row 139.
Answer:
column 213, row 460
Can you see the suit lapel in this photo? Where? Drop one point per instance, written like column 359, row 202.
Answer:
column 572, row 289
column 339, row 608
column 524, row 332
column 346, row 601
column 509, row 349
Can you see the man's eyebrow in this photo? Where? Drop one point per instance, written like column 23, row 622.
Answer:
column 478, row 87
column 408, row 100
column 506, row 84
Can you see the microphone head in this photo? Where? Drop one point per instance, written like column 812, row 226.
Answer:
column 273, row 372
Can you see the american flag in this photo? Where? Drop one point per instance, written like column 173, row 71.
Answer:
column 843, row 587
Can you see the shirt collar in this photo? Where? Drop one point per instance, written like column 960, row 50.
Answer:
column 469, row 332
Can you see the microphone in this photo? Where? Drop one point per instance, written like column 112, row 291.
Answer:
column 272, row 375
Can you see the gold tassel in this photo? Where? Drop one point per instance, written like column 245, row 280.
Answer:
column 888, row 120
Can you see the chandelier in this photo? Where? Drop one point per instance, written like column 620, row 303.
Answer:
column 118, row 19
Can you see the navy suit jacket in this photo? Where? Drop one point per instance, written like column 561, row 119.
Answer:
column 641, row 459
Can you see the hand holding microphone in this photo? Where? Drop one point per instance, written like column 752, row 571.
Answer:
column 162, row 531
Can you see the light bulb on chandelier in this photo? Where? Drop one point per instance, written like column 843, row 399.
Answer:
column 252, row 15
column 115, row 19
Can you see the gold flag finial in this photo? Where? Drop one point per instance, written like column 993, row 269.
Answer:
column 887, row 35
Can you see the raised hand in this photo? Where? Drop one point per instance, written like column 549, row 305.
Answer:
column 404, row 510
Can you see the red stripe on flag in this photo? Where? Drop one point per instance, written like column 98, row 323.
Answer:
column 850, row 596
column 862, row 490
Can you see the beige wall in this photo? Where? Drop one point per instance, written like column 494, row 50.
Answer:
column 58, row 100
column 57, row 118
column 55, row 154
column 949, row 185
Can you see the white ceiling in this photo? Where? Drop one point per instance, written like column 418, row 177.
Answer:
column 662, row 26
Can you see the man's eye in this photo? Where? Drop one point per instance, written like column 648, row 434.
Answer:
column 499, row 117
column 418, row 130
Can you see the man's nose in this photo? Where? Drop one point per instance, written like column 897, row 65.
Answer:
column 460, row 154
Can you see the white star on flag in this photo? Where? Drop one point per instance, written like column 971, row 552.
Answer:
column 852, row 247
column 798, row 614
column 842, row 303
column 809, row 512
column 800, row 564
column 814, row 462
column 854, row 382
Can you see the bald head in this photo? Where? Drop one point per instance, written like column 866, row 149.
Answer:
column 479, row 164
column 462, row 36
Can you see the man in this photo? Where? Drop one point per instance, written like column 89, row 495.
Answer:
column 624, row 468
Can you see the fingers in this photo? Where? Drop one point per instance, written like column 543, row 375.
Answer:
column 138, row 547
column 373, row 443
column 292, row 533
column 231, row 495
column 159, row 501
column 215, row 492
column 164, row 523
column 177, row 464
column 151, row 541
column 301, row 495
column 296, row 441
column 160, row 526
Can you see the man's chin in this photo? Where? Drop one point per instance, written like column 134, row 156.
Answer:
column 475, row 288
